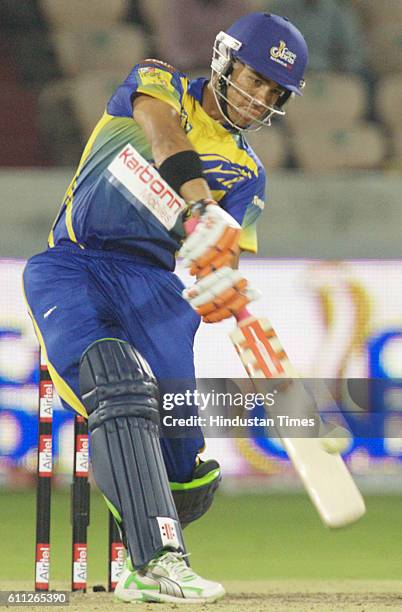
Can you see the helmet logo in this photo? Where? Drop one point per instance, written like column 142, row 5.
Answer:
column 282, row 55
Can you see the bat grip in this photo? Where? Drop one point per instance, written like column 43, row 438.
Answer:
column 190, row 225
column 242, row 314
column 197, row 210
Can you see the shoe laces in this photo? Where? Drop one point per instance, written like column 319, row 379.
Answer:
column 174, row 563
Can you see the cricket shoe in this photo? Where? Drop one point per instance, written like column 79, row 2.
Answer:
column 167, row 578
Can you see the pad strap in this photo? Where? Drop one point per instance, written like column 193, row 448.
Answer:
column 194, row 498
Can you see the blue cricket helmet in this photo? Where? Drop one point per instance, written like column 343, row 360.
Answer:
column 273, row 47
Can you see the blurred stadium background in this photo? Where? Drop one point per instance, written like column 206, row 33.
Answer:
column 332, row 284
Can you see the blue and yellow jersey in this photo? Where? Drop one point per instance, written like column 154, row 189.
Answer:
column 98, row 213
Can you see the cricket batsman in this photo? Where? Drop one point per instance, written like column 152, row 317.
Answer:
column 168, row 158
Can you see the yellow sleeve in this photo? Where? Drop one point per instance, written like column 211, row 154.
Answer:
column 162, row 83
column 248, row 238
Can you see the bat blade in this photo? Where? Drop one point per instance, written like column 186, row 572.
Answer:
column 325, row 476
column 260, row 350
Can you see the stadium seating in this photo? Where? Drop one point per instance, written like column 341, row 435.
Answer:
column 20, row 141
column 385, row 47
column 388, row 104
column 83, row 14
column 271, row 147
column 359, row 145
column 58, row 124
column 23, row 32
column 95, row 50
column 375, row 12
column 396, row 141
column 328, row 97
column 70, row 110
column 89, row 94
column 383, row 30
column 21, row 16
column 118, row 48
column 389, row 100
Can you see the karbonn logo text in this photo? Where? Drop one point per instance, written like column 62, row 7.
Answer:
column 150, row 179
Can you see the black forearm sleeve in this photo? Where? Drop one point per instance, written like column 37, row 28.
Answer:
column 180, row 168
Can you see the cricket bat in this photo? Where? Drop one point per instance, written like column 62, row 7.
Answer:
column 325, row 476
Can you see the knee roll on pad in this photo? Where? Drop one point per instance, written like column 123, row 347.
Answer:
column 116, row 381
column 120, row 395
column 194, row 498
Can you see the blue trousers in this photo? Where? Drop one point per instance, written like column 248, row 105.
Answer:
column 79, row 296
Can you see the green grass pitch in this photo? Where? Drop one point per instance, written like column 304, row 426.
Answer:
column 254, row 537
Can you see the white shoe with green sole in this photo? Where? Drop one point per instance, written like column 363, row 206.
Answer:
column 167, row 578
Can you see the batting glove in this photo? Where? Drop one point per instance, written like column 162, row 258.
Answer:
column 213, row 239
column 220, row 294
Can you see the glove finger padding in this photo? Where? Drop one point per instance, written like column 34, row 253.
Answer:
column 220, row 295
column 215, row 237
column 224, row 259
column 227, row 310
column 225, row 298
column 227, row 244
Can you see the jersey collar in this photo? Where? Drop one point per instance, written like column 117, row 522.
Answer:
column 196, row 88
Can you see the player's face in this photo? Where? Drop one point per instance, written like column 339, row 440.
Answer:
column 264, row 93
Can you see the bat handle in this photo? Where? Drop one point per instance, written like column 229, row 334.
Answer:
column 196, row 212
column 190, row 225
column 243, row 314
